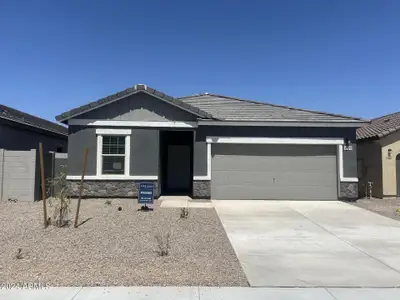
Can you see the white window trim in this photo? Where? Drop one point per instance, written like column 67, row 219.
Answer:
column 115, row 123
column 99, row 160
column 114, row 131
column 279, row 141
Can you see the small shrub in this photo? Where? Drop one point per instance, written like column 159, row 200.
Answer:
column 184, row 213
column 398, row 211
column 61, row 202
column 163, row 245
column 108, row 202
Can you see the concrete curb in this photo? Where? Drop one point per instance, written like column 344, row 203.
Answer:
column 197, row 293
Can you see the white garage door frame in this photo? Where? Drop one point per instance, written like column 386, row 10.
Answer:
column 338, row 142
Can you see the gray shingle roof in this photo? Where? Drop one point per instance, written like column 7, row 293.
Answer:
column 380, row 127
column 15, row 115
column 222, row 108
column 235, row 109
column 129, row 91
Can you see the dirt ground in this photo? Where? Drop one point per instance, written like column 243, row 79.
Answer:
column 385, row 207
column 116, row 248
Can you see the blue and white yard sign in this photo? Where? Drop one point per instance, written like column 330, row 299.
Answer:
column 146, row 193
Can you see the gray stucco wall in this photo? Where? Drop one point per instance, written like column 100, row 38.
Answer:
column 19, row 137
column 350, row 161
column 139, row 107
column 144, row 152
column 200, row 159
column 200, row 154
column 80, row 138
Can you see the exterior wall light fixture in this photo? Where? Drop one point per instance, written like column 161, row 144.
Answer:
column 347, row 146
column 389, row 154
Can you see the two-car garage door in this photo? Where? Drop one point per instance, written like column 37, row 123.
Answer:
column 292, row 172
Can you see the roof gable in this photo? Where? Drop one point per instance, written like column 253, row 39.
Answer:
column 140, row 107
column 380, row 127
column 128, row 92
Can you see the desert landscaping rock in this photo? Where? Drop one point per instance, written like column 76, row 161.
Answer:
column 385, row 207
column 116, row 248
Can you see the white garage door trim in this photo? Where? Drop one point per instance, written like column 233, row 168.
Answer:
column 280, row 141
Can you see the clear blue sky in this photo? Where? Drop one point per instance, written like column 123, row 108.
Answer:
column 336, row 56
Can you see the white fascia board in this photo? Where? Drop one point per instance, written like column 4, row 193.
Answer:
column 278, row 141
column 114, row 123
column 112, row 177
column 114, row 131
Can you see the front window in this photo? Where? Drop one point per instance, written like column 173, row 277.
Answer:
column 113, row 155
column 113, row 152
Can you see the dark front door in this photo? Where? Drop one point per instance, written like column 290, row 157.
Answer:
column 176, row 162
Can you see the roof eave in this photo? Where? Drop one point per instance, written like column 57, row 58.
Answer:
column 380, row 135
column 284, row 123
column 34, row 126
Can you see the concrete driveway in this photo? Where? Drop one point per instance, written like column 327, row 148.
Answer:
column 312, row 243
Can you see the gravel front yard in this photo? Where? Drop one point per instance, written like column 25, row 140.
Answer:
column 385, row 207
column 116, row 248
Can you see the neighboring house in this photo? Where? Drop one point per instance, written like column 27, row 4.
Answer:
column 378, row 147
column 210, row 146
column 20, row 135
column 22, row 131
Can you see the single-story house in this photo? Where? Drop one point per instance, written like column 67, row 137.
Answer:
column 210, row 146
column 20, row 135
column 21, row 131
column 378, row 149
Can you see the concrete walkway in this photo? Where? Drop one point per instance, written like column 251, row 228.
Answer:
column 312, row 243
column 199, row 293
column 184, row 201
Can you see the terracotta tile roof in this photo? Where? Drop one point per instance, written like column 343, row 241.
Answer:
column 380, row 127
